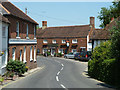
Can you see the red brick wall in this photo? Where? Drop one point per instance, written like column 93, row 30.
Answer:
column 82, row 42
column 22, row 28
column 22, row 34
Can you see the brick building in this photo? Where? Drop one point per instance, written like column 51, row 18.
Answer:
column 22, row 35
column 64, row 39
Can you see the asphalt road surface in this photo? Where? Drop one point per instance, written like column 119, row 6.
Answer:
column 58, row 73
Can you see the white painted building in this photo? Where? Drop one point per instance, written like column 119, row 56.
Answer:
column 4, row 23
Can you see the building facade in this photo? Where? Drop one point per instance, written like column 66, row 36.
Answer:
column 64, row 39
column 22, row 35
column 4, row 23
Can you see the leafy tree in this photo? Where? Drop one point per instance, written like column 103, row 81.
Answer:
column 106, row 14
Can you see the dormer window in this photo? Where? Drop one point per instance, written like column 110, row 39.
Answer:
column 74, row 41
column 54, row 41
column 45, row 41
column 17, row 30
column 63, row 41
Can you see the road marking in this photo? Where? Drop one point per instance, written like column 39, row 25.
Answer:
column 61, row 68
column 57, row 78
column 62, row 86
column 62, row 65
column 58, row 73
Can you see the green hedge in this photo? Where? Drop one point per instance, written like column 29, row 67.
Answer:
column 103, row 67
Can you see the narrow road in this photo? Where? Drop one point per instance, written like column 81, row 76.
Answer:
column 58, row 73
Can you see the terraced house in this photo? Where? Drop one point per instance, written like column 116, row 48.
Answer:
column 22, row 35
column 64, row 39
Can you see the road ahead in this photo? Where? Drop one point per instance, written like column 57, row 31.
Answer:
column 58, row 73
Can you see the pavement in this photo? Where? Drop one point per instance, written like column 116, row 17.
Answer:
column 59, row 73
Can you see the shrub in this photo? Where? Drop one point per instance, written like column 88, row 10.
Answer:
column 59, row 54
column 16, row 66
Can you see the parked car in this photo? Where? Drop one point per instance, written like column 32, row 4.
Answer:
column 84, row 55
column 70, row 55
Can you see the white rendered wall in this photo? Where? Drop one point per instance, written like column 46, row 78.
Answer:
column 89, row 45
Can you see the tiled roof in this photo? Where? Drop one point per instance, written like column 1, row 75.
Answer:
column 100, row 34
column 13, row 10
column 3, row 19
column 64, row 32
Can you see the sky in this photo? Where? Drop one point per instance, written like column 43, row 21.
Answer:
column 63, row 13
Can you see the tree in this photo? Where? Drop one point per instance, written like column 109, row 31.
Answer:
column 106, row 14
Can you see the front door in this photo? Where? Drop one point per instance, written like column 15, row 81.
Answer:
column 52, row 52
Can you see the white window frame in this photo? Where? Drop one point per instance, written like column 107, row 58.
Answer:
column 17, row 30
column 31, row 58
column 60, row 51
column 74, row 41
column 13, row 52
column 44, row 50
column 54, row 41
column 63, row 41
column 73, row 50
column 45, row 41
column 20, row 55
column 24, row 55
column 34, row 53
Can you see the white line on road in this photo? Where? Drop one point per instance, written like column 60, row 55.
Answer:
column 58, row 73
column 57, row 78
column 62, row 65
column 61, row 68
column 62, row 86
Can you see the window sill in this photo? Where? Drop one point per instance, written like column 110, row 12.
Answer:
column 27, row 38
column 17, row 37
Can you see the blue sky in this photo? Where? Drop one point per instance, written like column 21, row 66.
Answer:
column 63, row 13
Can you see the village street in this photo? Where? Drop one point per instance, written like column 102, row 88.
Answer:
column 58, row 73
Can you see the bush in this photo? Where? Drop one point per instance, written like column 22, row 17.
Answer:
column 59, row 54
column 103, row 66
column 16, row 66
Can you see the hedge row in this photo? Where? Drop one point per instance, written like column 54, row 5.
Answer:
column 103, row 68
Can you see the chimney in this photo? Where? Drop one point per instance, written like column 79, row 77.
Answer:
column 92, row 22
column 44, row 24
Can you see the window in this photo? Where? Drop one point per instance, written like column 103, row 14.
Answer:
column 17, row 29
column 20, row 55
column 45, row 41
column 54, row 41
column 27, row 31
column 63, row 41
column 3, row 32
column 60, row 51
column 13, row 53
column 82, row 48
column 25, row 55
column 31, row 54
column 34, row 53
column 34, row 32
column 44, row 51
column 74, row 50
column 74, row 41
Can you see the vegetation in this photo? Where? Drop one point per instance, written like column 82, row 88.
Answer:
column 106, row 14
column 105, row 63
column 59, row 54
column 16, row 66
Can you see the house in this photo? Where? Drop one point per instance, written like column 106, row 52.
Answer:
column 98, row 36
column 4, row 23
column 22, row 35
column 64, row 39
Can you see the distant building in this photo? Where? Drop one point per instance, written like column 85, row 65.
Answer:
column 22, row 35
column 64, row 39
column 4, row 23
